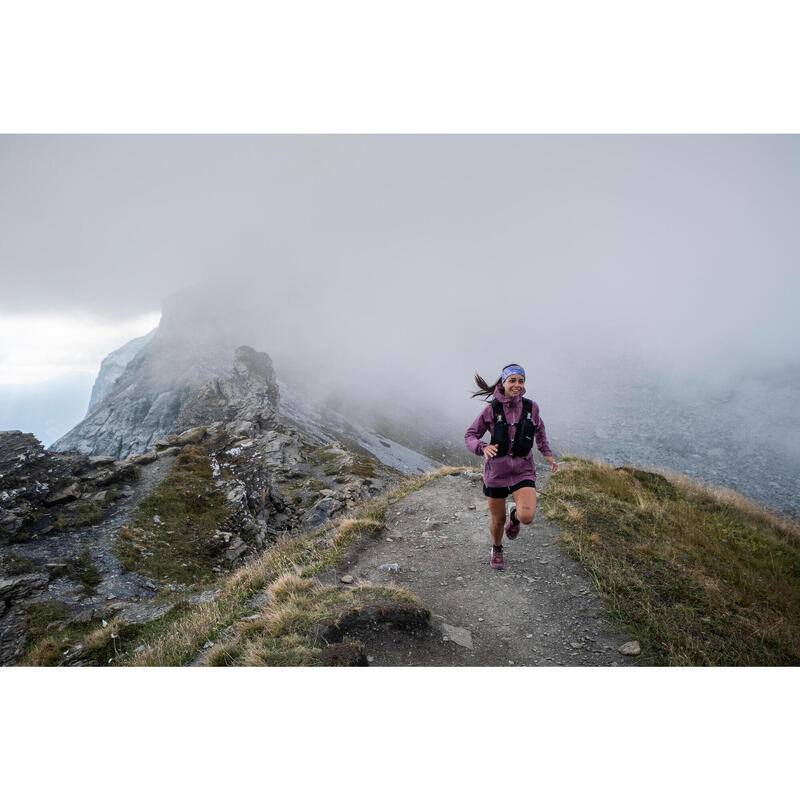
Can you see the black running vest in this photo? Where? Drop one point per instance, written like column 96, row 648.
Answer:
column 523, row 438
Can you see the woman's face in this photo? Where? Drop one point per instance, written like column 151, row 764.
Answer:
column 514, row 385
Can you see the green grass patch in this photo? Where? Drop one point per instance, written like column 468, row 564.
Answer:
column 702, row 576
column 53, row 640
column 181, row 547
column 50, row 634
column 85, row 572
column 80, row 568
column 15, row 564
column 82, row 515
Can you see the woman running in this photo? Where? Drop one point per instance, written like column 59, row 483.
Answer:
column 514, row 422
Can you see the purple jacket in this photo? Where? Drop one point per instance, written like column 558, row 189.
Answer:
column 506, row 470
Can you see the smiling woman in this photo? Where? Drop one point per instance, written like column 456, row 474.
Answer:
column 38, row 348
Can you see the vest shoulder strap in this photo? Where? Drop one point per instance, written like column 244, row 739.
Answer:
column 527, row 407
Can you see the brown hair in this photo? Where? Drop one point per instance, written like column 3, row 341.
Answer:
column 484, row 389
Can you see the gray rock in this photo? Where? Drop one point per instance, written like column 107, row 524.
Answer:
column 320, row 512
column 204, row 597
column 123, row 473
column 461, row 636
column 98, row 461
column 138, row 614
column 66, row 495
column 236, row 549
column 192, row 436
column 167, row 452
column 15, row 587
column 393, row 567
column 346, row 579
column 144, row 458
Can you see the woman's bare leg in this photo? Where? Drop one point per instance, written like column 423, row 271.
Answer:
column 497, row 508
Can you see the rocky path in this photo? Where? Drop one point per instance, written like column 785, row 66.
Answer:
column 542, row 610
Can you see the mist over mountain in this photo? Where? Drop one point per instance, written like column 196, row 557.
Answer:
column 648, row 284
column 738, row 427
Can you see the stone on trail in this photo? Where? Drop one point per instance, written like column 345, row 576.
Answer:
column 461, row 636
column 346, row 579
column 630, row 649
column 394, row 567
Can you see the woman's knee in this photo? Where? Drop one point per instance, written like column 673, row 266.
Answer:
column 525, row 514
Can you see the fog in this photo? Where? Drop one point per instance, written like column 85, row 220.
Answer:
column 386, row 270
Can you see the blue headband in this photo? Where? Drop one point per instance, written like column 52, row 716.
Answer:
column 514, row 369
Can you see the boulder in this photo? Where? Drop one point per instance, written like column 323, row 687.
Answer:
column 99, row 461
column 236, row 549
column 138, row 614
column 15, row 587
column 65, row 495
column 192, row 436
column 126, row 472
column 169, row 451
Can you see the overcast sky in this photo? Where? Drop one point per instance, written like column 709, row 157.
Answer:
column 410, row 258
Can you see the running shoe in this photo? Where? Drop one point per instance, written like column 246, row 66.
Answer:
column 496, row 561
column 512, row 528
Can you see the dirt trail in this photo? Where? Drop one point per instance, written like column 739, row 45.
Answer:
column 542, row 610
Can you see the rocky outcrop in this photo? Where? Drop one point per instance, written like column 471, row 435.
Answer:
column 44, row 493
column 113, row 365
column 248, row 394
column 145, row 401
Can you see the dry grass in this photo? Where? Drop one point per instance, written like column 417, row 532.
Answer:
column 291, row 559
column 284, row 634
column 700, row 574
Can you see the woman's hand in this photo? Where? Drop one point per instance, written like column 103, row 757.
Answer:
column 553, row 462
column 489, row 451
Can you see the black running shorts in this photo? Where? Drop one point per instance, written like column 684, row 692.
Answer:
column 504, row 491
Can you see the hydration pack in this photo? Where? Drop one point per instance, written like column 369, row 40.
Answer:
column 523, row 438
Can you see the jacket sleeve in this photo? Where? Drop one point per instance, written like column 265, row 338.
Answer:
column 541, row 434
column 474, row 433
